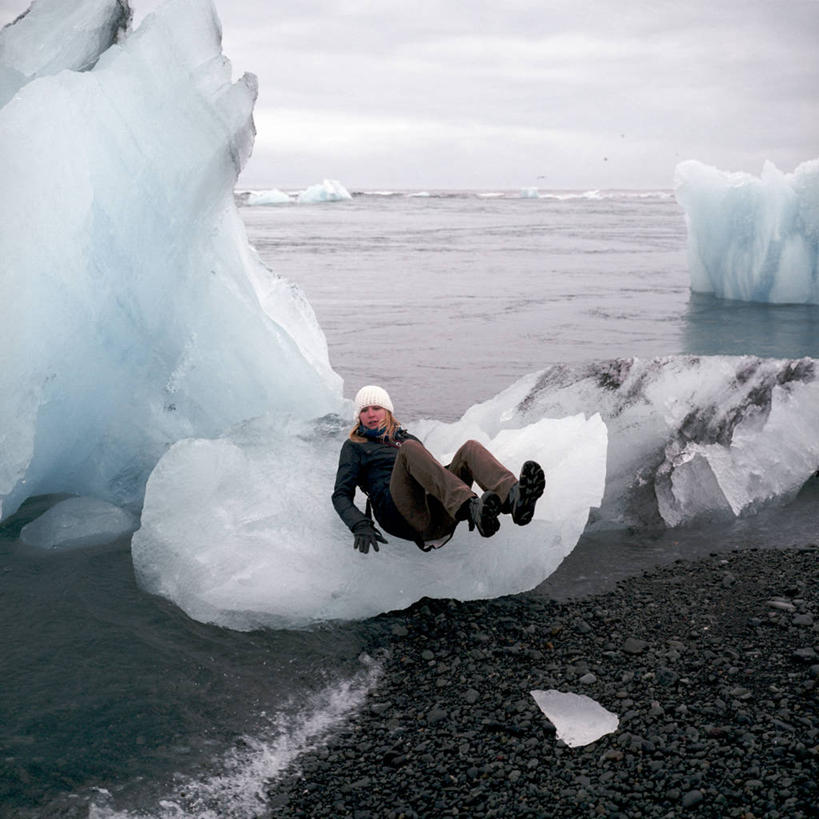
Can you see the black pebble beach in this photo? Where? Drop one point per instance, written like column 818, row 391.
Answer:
column 711, row 667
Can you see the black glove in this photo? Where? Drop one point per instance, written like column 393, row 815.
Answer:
column 367, row 535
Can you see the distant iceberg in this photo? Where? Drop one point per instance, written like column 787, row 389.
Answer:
column 271, row 197
column 752, row 238
column 529, row 193
column 330, row 190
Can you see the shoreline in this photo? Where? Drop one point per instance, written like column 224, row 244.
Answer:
column 711, row 667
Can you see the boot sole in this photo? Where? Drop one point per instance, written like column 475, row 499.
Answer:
column 490, row 508
column 531, row 485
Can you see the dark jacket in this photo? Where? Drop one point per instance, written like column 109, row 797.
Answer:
column 368, row 465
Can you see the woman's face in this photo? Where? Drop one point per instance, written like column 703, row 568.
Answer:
column 373, row 417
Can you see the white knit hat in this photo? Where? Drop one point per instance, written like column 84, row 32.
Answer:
column 371, row 396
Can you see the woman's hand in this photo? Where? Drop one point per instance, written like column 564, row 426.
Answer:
column 367, row 535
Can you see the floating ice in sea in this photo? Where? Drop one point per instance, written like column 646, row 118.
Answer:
column 239, row 531
column 79, row 522
column 688, row 436
column 331, row 190
column 529, row 193
column 578, row 719
column 271, row 197
column 136, row 311
column 752, row 238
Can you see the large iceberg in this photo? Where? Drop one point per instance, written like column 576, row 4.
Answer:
column 138, row 322
column 134, row 313
column 688, row 437
column 239, row 530
column 752, row 238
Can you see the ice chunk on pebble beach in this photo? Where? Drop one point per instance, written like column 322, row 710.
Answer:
column 752, row 238
column 578, row 719
column 240, row 531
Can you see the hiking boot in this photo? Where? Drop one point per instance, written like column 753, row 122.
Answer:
column 523, row 496
column 483, row 514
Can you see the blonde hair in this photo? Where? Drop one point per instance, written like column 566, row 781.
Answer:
column 392, row 426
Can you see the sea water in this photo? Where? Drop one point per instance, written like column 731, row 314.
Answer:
column 115, row 703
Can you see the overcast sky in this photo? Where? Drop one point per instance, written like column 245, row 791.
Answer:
column 495, row 94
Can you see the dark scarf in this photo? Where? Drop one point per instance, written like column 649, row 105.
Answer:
column 379, row 435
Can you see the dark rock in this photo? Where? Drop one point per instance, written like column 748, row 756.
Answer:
column 633, row 645
column 692, row 798
column 435, row 715
column 717, row 714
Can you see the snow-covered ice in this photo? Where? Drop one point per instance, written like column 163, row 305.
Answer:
column 134, row 311
column 578, row 719
column 79, row 522
column 330, row 190
column 752, row 238
column 240, row 531
column 689, row 437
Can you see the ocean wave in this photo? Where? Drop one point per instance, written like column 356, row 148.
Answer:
column 238, row 787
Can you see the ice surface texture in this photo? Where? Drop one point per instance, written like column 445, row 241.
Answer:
column 689, row 437
column 240, row 531
column 57, row 34
column 578, row 719
column 133, row 312
column 752, row 238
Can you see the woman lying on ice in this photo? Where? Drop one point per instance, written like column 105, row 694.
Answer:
column 411, row 495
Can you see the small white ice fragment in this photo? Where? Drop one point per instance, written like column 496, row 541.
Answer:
column 579, row 720
column 79, row 522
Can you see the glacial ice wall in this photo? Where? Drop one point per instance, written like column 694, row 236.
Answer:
column 53, row 35
column 752, row 238
column 239, row 531
column 688, row 437
column 133, row 312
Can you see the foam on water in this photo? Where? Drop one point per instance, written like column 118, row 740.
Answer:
column 237, row 789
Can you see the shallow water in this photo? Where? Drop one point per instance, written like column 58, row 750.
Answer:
column 116, row 699
column 104, row 684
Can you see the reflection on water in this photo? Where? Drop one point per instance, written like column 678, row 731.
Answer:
column 716, row 326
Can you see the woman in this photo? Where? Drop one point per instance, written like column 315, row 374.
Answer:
column 412, row 495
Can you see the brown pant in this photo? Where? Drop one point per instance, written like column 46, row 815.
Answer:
column 429, row 495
